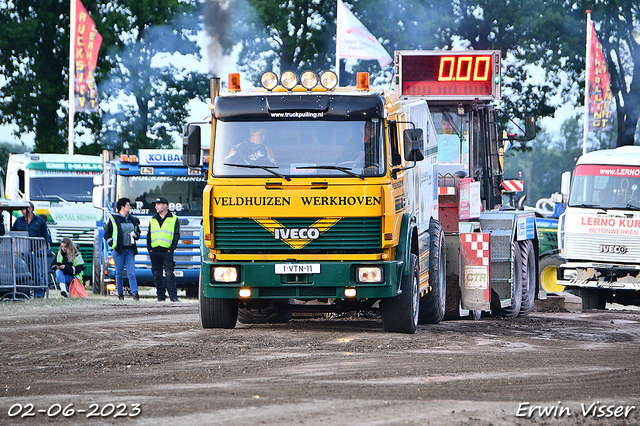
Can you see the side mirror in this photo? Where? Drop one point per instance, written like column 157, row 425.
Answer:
column 530, row 127
column 96, row 197
column 97, row 180
column 413, row 145
column 191, row 145
column 565, row 184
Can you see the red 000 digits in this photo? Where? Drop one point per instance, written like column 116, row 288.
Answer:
column 464, row 68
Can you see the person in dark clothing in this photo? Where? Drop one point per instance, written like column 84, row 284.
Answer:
column 121, row 232
column 162, row 240
column 67, row 264
column 36, row 227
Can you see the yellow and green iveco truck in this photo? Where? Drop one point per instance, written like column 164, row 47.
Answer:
column 322, row 198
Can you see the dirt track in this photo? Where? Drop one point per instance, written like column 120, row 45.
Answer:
column 335, row 371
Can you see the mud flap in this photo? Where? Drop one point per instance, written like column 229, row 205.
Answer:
column 475, row 254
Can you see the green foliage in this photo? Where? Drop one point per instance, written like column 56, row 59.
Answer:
column 34, row 49
column 151, row 101
column 34, row 52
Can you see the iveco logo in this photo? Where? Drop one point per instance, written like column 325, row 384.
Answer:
column 296, row 233
column 605, row 248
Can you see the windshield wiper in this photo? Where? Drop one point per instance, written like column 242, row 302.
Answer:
column 55, row 197
column 632, row 207
column 342, row 169
column 588, row 206
column 266, row 168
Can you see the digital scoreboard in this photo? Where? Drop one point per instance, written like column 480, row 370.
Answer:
column 441, row 74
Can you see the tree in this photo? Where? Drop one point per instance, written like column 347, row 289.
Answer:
column 154, row 29
column 34, row 51
column 283, row 35
column 617, row 18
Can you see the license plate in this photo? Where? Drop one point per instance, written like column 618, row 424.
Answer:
column 297, row 268
column 178, row 273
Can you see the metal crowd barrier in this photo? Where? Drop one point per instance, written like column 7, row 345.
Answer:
column 23, row 267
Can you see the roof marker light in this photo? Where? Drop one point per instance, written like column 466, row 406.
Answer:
column 329, row 80
column 309, row 80
column 269, row 80
column 289, row 80
column 234, row 82
column 362, row 81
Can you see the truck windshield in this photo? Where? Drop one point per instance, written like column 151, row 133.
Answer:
column 605, row 186
column 184, row 193
column 298, row 148
column 74, row 189
column 453, row 140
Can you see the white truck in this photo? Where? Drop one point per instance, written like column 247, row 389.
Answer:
column 60, row 187
column 599, row 232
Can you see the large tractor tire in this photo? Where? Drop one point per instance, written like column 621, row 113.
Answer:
column 549, row 273
column 258, row 316
column 432, row 305
column 528, row 268
column 400, row 313
column 216, row 313
column 513, row 310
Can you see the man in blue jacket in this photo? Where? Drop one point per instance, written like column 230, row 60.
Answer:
column 36, row 227
column 121, row 232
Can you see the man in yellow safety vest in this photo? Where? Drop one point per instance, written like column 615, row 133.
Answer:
column 162, row 240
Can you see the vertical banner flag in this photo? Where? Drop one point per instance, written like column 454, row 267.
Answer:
column 355, row 41
column 601, row 106
column 85, row 47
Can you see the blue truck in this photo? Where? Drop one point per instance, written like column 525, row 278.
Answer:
column 142, row 178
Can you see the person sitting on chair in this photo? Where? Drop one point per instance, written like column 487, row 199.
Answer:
column 68, row 264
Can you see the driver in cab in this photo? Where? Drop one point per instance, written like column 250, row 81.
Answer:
column 254, row 151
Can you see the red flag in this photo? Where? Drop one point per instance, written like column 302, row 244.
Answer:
column 85, row 48
column 601, row 106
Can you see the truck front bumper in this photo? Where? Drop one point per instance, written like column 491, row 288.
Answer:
column 332, row 281
column 599, row 275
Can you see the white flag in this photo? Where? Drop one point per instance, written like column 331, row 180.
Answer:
column 355, row 41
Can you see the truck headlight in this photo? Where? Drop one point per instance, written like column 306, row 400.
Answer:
column 225, row 274
column 369, row 274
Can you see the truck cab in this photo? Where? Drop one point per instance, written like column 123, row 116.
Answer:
column 142, row 178
column 60, row 188
column 598, row 232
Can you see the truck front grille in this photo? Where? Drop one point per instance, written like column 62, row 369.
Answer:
column 272, row 235
column 602, row 248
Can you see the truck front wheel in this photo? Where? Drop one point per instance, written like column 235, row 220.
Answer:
column 400, row 313
column 549, row 273
column 216, row 313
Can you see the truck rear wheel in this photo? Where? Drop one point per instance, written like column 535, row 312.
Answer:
column 549, row 273
column 528, row 267
column 400, row 313
column 512, row 310
column 432, row 305
column 216, row 313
